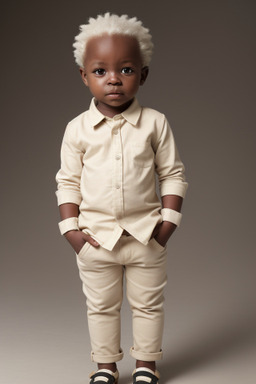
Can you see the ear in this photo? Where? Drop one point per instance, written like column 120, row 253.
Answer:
column 83, row 76
column 144, row 75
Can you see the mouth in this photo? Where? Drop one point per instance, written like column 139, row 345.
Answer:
column 114, row 94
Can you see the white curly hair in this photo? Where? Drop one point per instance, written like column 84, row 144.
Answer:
column 113, row 25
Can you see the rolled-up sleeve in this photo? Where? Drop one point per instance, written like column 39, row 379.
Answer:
column 69, row 176
column 169, row 166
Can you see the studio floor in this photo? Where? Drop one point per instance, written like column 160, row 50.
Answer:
column 52, row 346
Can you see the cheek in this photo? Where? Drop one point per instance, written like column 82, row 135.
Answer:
column 133, row 85
column 95, row 84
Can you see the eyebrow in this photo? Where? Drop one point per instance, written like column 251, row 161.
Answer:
column 126, row 61
column 98, row 63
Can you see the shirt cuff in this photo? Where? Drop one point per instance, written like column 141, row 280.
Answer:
column 69, row 224
column 173, row 188
column 64, row 197
column 171, row 215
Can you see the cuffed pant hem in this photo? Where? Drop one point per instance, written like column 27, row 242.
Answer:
column 146, row 356
column 107, row 358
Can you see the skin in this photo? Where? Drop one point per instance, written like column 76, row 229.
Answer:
column 113, row 72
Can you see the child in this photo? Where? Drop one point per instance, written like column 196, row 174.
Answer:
column 109, row 208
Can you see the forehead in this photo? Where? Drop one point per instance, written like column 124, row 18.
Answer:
column 112, row 47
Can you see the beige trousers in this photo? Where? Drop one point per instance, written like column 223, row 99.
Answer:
column 102, row 273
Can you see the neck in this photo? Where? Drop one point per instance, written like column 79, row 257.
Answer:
column 111, row 111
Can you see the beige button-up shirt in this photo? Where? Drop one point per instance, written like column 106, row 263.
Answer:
column 108, row 168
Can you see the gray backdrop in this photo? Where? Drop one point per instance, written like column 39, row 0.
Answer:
column 203, row 78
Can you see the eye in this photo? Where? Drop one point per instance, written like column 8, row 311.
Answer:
column 99, row 71
column 127, row 70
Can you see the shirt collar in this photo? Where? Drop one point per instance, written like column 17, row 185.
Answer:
column 131, row 114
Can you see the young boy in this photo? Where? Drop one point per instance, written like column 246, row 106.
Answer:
column 110, row 211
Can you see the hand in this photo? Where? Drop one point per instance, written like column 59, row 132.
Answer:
column 77, row 239
column 165, row 230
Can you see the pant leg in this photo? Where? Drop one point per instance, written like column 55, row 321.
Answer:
column 102, row 278
column 145, row 281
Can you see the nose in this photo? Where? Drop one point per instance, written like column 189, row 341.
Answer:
column 114, row 78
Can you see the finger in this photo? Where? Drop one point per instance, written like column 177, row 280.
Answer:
column 93, row 242
column 90, row 240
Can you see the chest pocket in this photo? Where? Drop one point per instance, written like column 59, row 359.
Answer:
column 142, row 154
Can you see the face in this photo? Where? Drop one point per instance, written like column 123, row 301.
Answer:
column 113, row 71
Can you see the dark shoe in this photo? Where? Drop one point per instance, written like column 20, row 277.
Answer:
column 104, row 376
column 145, row 376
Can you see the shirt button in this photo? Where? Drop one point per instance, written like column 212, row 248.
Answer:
column 118, row 157
column 115, row 132
column 117, row 186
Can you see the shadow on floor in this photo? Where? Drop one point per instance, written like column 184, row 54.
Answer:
column 217, row 343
